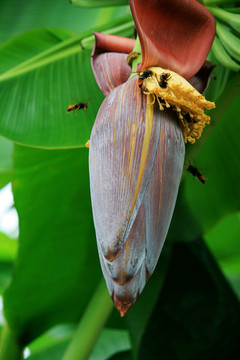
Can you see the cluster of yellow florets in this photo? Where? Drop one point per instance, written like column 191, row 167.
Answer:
column 172, row 90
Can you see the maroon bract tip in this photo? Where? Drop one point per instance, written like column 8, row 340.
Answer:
column 109, row 61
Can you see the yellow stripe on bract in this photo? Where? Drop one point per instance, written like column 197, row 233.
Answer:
column 114, row 126
column 127, row 253
column 132, row 146
column 109, row 78
column 122, row 175
column 144, row 154
column 106, row 72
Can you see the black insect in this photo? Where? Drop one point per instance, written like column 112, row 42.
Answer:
column 164, row 77
column 188, row 118
column 144, row 75
column 194, row 171
column 78, row 106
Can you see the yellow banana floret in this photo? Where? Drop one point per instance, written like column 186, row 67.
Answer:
column 172, row 90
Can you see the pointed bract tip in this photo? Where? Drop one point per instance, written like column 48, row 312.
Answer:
column 122, row 305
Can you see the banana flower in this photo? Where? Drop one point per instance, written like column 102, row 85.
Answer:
column 137, row 144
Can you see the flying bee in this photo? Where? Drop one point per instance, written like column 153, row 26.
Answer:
column 164, row 77
column 78, row 106
column 195, row 173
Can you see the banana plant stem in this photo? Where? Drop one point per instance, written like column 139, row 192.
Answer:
column 90, row 325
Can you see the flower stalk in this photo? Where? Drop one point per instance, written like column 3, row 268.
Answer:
column 90, row 325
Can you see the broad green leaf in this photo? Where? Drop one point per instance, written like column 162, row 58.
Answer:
column 25, row 46
column 52, row 79
column 6, row 272
column 218, row 160
column 60, row 334
column 8, row 248
column 226, row 232
column 197, row 315
column 109, row 343
column 54, row 351
column 38, row 47
column 99, row 3
column 234, row 280
column 57, row 268
column 8, row 252
column 216, row 155
column 17, row 17
column 38, row 116
column 223, row 240
column 6, row 166
column 126, row 355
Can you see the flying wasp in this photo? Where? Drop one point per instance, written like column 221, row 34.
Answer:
column 78, row 106
column 195, row 173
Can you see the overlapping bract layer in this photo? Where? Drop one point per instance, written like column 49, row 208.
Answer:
column 136, row 157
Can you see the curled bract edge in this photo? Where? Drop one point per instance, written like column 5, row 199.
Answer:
column 109, row 60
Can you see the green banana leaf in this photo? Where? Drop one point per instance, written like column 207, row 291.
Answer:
column 99, row 3
column 6, row 165
column 56, row 252
column 55, row 72
column 18, row 17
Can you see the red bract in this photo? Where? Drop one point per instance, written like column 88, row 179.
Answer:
column 136, row 151
column 174, row 34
